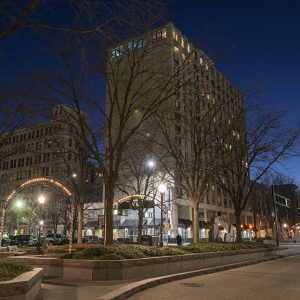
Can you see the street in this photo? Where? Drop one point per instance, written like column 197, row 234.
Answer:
column 276, row 280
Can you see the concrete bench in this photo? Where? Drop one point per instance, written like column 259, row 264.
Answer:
column 15, row 251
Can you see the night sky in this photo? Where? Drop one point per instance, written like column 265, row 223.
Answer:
column 259, row 43
column 263, row 42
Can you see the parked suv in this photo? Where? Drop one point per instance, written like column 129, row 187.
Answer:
column 92, row 239
column 20, row 240
column 56, row 239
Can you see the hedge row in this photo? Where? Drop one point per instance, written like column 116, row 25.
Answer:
column 123, row 251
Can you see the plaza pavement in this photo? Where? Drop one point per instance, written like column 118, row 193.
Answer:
column 272, row 280
column 63, row 289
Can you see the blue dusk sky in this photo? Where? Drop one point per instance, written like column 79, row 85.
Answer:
column 258, row 45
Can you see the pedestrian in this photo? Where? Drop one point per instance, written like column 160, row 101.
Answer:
column 179, row 239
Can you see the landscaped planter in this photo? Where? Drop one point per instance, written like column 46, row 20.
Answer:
column 142, row 267
column 25, row 286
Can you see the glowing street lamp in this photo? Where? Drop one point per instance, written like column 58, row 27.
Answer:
column 151, row 164
column 41, row 223
column 162, row 189
column 74, row 175
column 42, row 199
column 19, row 204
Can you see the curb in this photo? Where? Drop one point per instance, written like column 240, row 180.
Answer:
column 139, row 286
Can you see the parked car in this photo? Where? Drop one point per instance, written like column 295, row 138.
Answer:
column 92, row 239
column 33, row 242
column 5, row 242
column 56, row 239
column 20, row 240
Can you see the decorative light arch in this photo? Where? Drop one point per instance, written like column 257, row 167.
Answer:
column 125, row 198
column 38, row 180
column 41, row 180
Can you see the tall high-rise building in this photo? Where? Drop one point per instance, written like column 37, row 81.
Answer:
column 162, row 67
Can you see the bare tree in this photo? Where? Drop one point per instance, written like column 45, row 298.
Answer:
column 262, row 206
column 57, row 207
column 251, row 152
column 139, row 176
column 75, row 164
column 135, row 89
column 83, row 17
column 14, row 15
column 190, row 136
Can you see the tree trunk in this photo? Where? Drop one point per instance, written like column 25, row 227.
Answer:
column 109, row 200
column 195, row 223
column 140, row 225
column 255, row 225
column 238, row 226
column 54, row 223
column 80, row 222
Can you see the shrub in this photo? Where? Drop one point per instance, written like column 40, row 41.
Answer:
column 112, row 256
column 11, row 268
column 125, row 251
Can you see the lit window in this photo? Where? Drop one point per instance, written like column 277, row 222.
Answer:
column 176, row 49
column 142, row 43
column 206, row 67
column 201, row 61
column 161, row 34
column 182, row 42
column 175, row 35
column 132, row 45
column 207, row 96
column 188, row 48
column 183, row 56
column 117, row 51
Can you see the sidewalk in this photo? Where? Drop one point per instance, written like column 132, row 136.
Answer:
column 63, row 289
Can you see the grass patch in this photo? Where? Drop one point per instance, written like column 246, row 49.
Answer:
column 124, row 251
column 10, row 269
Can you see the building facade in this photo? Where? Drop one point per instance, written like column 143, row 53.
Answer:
column 45, row 150
column 173, row 69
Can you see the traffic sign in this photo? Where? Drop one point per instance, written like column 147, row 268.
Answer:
column 282, row 201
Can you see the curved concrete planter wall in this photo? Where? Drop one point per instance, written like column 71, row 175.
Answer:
column 144, row 267
column 24, row 287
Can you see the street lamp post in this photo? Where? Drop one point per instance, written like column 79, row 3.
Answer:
column 151, row 165
column 41, row 223
column 19, row 205
column 41, row 200
column 162, row 189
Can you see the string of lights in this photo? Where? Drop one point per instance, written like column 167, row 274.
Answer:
column 39, row 180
